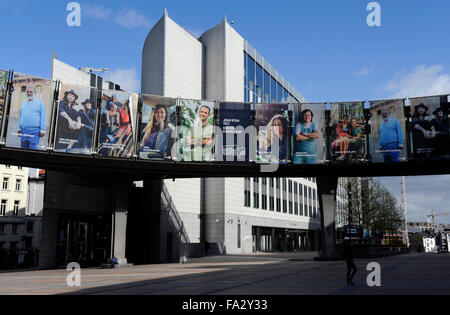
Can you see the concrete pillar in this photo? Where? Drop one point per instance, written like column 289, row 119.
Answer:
column 121, row 194
column 152, row 209
column 326, row 188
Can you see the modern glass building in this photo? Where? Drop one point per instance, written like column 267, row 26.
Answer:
column 233, row 215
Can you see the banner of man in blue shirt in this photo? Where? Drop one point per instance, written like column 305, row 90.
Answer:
column 32, row 120
column 390, row 137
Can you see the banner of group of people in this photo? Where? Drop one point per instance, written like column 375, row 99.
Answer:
column 120, row 124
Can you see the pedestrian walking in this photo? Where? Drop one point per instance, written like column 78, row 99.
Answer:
column 349, row 256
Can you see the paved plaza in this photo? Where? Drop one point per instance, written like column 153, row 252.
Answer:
column 256, row 274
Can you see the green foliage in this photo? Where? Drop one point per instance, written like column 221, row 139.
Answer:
column 371, row 206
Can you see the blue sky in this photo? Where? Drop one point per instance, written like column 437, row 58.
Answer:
column 322, row 47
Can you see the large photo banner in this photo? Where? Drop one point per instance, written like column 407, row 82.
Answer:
column 309, row 137
column 429, row 129
column 3, row 79
column 117, row 124
column 30, row 112
column 158, row 121
column 347, row 136
column 388, row 131
column 272, row 123
column 196, row 131
column 75, row 119
column 234, row 121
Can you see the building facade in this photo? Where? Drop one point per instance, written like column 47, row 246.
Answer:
column 231, row 215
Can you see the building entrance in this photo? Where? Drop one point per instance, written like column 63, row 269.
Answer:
column 83, row 239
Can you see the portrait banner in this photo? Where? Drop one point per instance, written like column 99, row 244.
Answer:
column 30, row 112
column 234, row 122
column 196, row 131
column 157, row 125
column 75, row 119
column 3, row 82
column 118, row 112
column 429, row 128
column 309, row 134
column 347, row 138
column 272, row 123
column 388, row 131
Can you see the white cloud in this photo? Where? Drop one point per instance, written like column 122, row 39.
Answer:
column 421, row 81
column 364, row 71
column 126, row 18
column 97, row 12
column 126, row 78
column 132, row 19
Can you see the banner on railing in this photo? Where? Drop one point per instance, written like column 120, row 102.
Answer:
column 157, row 127
column 272, row 123
column 235, row 124
column 30, row 112
column 388, row 131
column 309, row 134
column 196, row 131
column 347, row 132
column 75, row 119
column 118, row 112
column 429, row 128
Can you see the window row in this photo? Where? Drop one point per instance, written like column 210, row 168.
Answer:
column 260, row 86
column 6, row 181
column 4, row 205
column 294, row 198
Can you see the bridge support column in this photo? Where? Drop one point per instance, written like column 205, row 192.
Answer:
column 120, row 209
column 326, row 188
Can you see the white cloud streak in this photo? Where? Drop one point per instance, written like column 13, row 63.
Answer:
column 126, row 78
column 365, row 71
column 132, row 19
column 127, row 18
column 97, row 12
column 421, row 81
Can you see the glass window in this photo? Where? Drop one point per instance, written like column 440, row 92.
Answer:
column 5, row 183
column 16, row 207
column 259, row 83
column 251, row 74
column 266, row 87
column 18, row 184
column 3, row 206
column 273, row 90
column 279, row 93
column 285, row 96
column 14, row 230
column 30, row 227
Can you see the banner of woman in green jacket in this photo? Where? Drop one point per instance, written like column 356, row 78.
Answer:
column 196, row 131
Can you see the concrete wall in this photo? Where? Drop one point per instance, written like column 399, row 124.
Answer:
column 182, row 62
column 224, row 64
column 234, row 65
column 214, row 43
column 185, row 194
column 152, row 81
column 68, row 74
